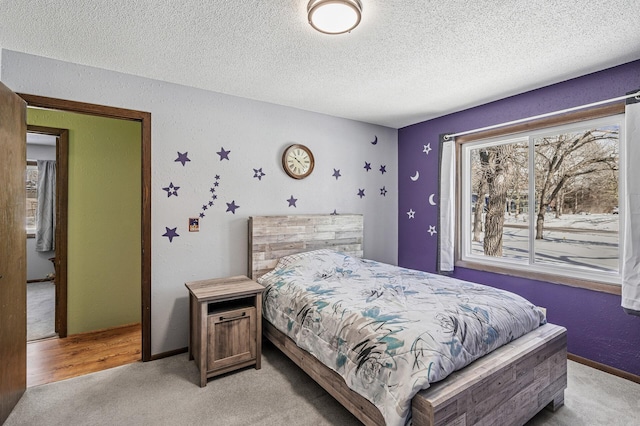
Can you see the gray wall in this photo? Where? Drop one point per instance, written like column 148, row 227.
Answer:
column 201, row 123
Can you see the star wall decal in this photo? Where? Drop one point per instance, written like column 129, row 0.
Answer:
column 182, row 158
column 383, row 191
column 224, row 155
column 360, row 193
column 258, row 173
column 432, row 230
column 292, row 201
column 427, row 148
column 231, row 207
column 210, row 203
column 383, row 169
column 411, row 214
column 367, row 166
column 171, row 190
column 336, row 173
column 171, row 233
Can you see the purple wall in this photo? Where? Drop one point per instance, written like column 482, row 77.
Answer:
column 597, row 327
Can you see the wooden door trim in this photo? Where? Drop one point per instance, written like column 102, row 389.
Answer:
column 62, row 209
column 145, row 119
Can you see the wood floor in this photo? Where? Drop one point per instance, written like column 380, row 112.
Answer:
column 51, row 360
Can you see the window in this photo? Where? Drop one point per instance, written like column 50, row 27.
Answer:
column 32, row 197
column 545, row 201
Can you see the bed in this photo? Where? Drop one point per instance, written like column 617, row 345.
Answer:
column 507, row 386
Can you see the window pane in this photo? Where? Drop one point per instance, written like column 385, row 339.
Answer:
column 576, row 190
column 499, row 201
column 32, row 197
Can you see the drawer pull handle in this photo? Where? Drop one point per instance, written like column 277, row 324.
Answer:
column 230, row 318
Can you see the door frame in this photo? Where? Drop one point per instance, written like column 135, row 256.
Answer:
column 61, row 209
column 145, row 120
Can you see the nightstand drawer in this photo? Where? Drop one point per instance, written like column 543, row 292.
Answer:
column 232, row 337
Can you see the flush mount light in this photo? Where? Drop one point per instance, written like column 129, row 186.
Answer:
column 334, row 16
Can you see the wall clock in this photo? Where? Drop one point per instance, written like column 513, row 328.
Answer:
column 297, row 161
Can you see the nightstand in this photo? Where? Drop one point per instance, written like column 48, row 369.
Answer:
column 225, row 325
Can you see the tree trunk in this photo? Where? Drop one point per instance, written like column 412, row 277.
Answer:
column 494, row 223
column 497, row 188
column 477, row 214
column 560, row 203
column 540, row 225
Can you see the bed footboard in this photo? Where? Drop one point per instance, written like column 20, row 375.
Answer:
column 507, row 387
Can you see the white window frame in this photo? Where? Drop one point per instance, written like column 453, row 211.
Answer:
column 567, row 274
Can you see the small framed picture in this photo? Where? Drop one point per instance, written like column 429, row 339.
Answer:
column 194, row 224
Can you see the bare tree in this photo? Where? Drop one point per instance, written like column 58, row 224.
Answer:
column 518, row 176
column 560, row 159
column 480, row 190
column 496, row 160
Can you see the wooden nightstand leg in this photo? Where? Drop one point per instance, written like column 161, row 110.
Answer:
column 191, row 331
column 204, row 345
column 258, row 336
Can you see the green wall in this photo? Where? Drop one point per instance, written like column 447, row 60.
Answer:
column 104, row 236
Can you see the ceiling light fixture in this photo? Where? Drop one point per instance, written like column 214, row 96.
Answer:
column 334, row 16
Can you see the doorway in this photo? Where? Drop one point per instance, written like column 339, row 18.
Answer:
column 46, row 253
column 144, row 119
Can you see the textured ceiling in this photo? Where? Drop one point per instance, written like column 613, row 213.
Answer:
column 408, row 61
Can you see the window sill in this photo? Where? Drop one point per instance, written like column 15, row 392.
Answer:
column 542, row 276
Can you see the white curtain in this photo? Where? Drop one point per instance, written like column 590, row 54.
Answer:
column 447, row 205
column 46, row 214
column 631, row 227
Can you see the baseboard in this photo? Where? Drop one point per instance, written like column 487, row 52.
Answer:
column 602, row 367
column 103, row 330
column 169, row 353
column 39, row 280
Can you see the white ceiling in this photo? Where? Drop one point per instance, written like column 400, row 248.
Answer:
column 408, row 61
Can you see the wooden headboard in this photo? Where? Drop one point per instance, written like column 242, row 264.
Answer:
column 271, row 237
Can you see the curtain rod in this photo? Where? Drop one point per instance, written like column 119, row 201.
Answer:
column 537, row 117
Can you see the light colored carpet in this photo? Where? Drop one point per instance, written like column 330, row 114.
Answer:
column 165, row 392
column 41, row 298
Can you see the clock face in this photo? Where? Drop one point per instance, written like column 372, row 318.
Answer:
column 297, row 161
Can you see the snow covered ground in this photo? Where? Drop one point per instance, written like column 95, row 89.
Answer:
column 582, row 241
column 598, row 222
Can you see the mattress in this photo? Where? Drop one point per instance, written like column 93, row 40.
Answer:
column 389, row 331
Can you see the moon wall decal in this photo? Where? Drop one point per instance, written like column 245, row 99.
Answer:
column 433, row 203
column 416, row 176
column 375, row 142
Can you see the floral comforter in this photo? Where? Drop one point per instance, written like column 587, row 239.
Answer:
column 389, row 331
